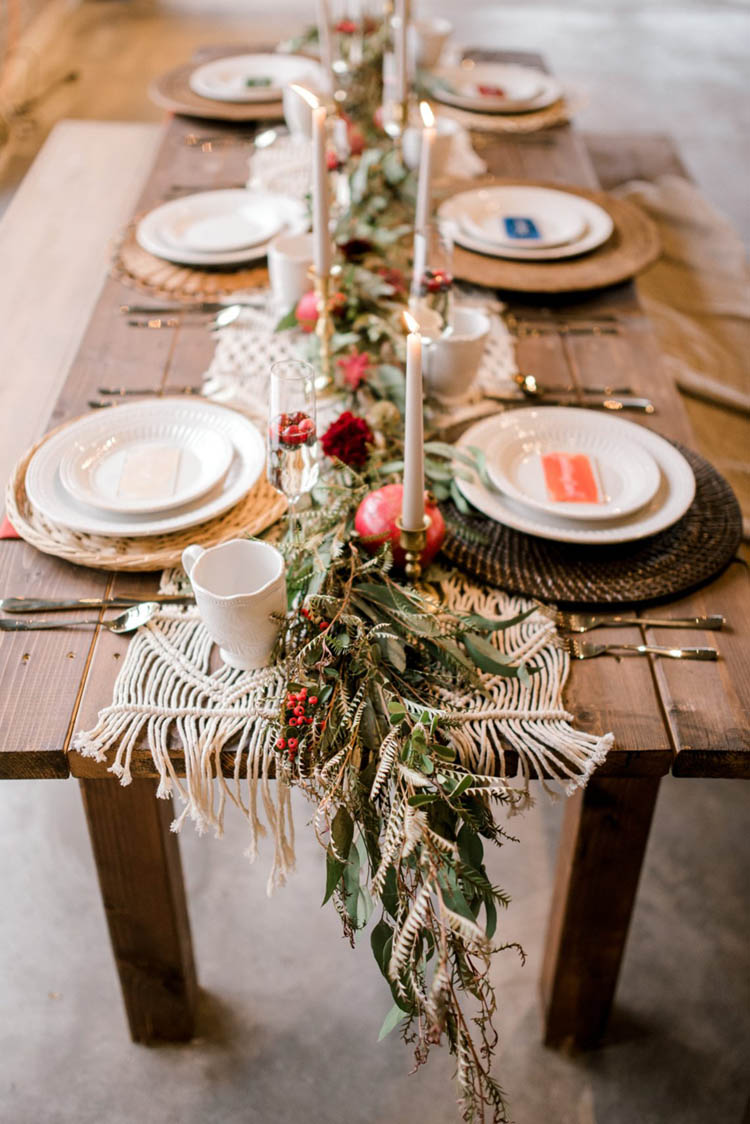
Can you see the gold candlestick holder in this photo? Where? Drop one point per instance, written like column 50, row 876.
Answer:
column 413, row 543
column 323, row 328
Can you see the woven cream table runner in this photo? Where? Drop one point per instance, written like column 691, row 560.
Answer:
column 166, row 693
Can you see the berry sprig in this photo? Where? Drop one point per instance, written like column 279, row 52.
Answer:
column 299, row 716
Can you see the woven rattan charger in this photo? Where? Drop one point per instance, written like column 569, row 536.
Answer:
column 156, row 277
column 261, row 507
column 693, row 551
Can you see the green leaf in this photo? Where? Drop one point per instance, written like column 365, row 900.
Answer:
column 381, row 939
column 420, row 798
column 334, row 870
column 391, row 1021
column 342, row 832
column 389, row 897
column 470, row 847
column 288, row 321
column 487, row 658
column 491, row 911
column 486, row 624
column 460, row 788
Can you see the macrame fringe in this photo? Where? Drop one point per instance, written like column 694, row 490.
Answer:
column 165, row 691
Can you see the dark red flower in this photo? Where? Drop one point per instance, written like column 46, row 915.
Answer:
column 355, row 249
column 346, row 27
column 349, row 438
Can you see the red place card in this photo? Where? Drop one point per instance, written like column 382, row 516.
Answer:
column 570, row 478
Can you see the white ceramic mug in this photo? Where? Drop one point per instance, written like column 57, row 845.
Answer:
column 411, row 143
column 289, row 259
column 297, row 112
column 427, row 38
column 451, row 361
column 237, row 586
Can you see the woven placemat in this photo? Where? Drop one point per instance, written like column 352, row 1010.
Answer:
column 135, row 267
column 695, row 549
column 633, row 245
column 172, row 91
column 261, row 507
column 559, row 113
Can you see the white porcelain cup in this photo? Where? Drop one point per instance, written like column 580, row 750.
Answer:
column 237, row 586
column 411, row 143
column 297, row 112
column 451, row 361
column 289, row 259
column 427, row 37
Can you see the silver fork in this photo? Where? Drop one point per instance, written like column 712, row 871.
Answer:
column 585, row 650
column 583, row 622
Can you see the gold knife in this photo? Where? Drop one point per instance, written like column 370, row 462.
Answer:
column 41, row 605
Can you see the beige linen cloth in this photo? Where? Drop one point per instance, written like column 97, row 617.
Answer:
column 697, row 296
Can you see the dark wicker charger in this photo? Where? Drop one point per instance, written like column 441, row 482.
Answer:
column 694, row 550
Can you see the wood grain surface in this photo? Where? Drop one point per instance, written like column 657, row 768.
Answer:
column 630, row 697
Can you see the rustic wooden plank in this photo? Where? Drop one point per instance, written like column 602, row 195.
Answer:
column 140, row 876
column 58, row 226
column 600, row 854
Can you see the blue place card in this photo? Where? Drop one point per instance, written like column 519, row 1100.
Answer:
column 517, row 226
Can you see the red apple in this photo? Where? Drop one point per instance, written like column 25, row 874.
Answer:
column 376, row 517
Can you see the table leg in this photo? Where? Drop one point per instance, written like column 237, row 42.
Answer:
column 602, row 845
column 140, row 876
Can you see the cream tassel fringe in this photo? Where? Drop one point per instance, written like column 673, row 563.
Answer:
column 165, row 691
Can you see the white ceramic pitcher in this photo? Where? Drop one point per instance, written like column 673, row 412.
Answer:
column 237, row 586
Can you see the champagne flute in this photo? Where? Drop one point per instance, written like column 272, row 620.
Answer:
column 292, row 434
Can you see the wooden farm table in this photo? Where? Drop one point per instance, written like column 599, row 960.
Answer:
column 687, row 718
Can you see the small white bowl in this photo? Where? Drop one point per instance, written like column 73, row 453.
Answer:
column 451, row 361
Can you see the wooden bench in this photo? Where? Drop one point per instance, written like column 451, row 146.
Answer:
column 690, row 719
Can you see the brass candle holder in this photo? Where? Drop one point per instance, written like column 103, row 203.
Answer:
column 323, row 328
column 413, row 543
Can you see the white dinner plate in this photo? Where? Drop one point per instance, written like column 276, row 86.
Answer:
column 477, row 207
column 228, row 213
column 150, row 465
column 626, row 474
column 227, row 79
column 544, row 218
column 524, row 88
column 48, row 495
column 670, row 502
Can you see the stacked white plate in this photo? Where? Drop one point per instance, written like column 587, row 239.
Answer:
column 526, row 223
column 254, row 78
column 493, row 87
column 642, row 484
column 146, row 468
column 224, row 227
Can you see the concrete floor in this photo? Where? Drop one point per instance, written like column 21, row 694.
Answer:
column 290, row 1015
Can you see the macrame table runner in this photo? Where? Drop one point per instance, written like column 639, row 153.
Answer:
column 166, row 693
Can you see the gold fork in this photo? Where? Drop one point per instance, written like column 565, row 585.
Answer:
column 585, row 650
column 584, row 622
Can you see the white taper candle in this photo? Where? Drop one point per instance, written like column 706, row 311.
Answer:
column 412, row 509
column 424, row 183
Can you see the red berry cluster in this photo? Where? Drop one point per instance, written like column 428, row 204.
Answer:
column 322, row 625
column 299, row 713
column 292, row 430
column 436, row 281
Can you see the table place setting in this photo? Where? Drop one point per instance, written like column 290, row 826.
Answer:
column 384, row 517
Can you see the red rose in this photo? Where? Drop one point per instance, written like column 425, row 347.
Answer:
column 349, row 438
column 346, row 27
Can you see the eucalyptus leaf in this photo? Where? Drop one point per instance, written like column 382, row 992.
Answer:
column 391, row 1021
column 487, row 657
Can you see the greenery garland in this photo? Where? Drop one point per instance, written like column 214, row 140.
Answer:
column 364, row 729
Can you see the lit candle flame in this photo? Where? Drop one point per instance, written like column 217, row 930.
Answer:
column 428, row 117
column 411, row 323
column 307, row 95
